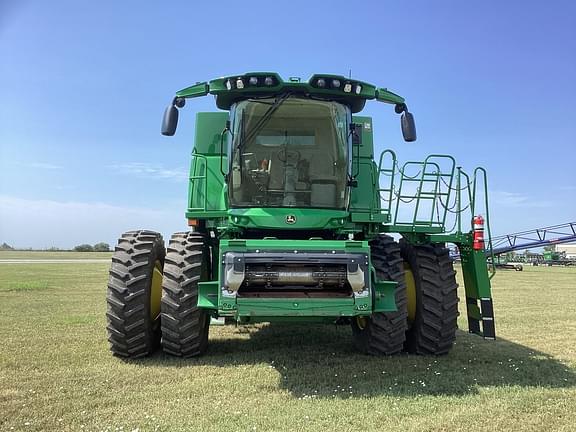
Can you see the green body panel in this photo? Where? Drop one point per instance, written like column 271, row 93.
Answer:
column 272, row 307
column 384, row 300
column 208, row 295
column 475, row 272
column 363, row 198
column 286, row 319
column 351, row 246
column 275, row 218
column 209, row 127
column 369, row 217
column 366, row 146
column 407, row 229
column 478, row 290
column 206, row 197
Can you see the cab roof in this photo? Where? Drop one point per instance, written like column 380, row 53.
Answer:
column 234, row 88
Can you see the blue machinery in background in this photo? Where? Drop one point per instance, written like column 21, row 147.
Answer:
column 551, row 235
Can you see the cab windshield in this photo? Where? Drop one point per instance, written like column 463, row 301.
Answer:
column 289, row 152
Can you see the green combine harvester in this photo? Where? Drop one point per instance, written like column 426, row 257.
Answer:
column 293, row 220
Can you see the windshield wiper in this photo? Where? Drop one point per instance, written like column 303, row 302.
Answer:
column 264, row 119
column 263, row 101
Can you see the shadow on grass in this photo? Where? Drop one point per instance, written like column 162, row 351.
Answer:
column 319, row 362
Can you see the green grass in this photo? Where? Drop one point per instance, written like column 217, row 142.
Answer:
column 25, row 286
column 56, row 372
column 44, row 255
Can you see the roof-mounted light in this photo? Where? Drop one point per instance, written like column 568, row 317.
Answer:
column 239, row 84
column 229, row 84
column 347, row 88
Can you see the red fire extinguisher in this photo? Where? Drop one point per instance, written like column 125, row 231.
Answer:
column 478, row 233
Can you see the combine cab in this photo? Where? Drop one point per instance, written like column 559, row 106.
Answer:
column 291, row 219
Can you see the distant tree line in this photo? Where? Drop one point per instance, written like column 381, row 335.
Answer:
column 98, row 247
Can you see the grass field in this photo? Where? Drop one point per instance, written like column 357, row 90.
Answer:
column 56, row 372
column 43, row 255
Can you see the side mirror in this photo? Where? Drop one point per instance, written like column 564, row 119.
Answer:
column 408, row 126
column 170, row 120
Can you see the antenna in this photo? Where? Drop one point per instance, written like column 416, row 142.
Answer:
column 350, row 73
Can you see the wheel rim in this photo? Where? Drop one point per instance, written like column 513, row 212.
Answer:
column 410, row 292
column 156, row 290
column 361, row 322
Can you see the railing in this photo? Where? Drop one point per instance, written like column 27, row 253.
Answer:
column 199, row 178
column 433, row 194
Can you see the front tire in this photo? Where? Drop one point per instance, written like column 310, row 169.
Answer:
column 433, row 329
column 384, row 333
column 184, row 325
column 133, row 296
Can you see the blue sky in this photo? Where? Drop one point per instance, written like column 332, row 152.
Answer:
column 83, row 86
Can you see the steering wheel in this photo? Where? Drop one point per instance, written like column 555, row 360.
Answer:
column 290, row 156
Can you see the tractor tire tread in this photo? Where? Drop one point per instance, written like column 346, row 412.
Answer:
column 386, row 331
column 130, row 329
column 184, row 325
column 434, row 329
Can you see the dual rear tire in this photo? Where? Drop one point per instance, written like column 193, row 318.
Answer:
column 152, row 295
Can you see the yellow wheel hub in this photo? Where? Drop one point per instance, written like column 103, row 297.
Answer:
column 156, row 290
column 361, row 322
column 410, row 292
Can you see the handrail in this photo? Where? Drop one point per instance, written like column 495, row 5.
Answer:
column 484, row 176
column 194, row 178
column 391, row 174
column 436, row 180
column 430, row 171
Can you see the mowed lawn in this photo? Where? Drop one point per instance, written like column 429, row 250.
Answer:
column 56, row 255
column 56, row 372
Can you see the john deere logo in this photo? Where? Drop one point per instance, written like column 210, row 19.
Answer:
column 290, row 219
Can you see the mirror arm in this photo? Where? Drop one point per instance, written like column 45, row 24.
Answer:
column 179, row 101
